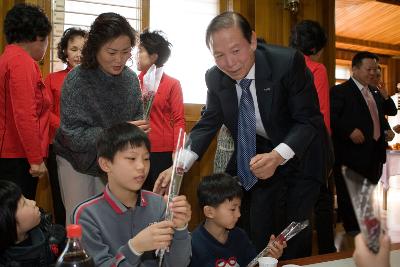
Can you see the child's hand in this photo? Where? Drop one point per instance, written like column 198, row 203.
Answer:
column 275, row 248
column 155, row 236
column 181, row 211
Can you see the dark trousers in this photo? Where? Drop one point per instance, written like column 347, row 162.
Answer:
column 17, row 170
column 273, row 204
column 159, row 162
column 323, row 212
column 345, row 207
column 58, row 206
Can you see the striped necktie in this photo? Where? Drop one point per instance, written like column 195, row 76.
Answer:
column 246, row 136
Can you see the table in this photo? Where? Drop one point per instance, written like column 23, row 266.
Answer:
column 339, row 259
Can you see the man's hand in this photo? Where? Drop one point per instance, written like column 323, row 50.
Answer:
column 357, row 136
column 142, row 124
column 397, row 128
column 264, row 165
column 38, row 170
column 382, row 89
column 363, row 257
column 389, row 135
column 162, row 182
column 155, row 236
column 181, row 210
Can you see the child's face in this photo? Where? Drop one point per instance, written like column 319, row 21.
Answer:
column 27, row 215
column 227, row 213
column 129, row 169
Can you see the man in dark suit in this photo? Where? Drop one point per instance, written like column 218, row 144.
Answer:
column 290, row 152
column 358, row 124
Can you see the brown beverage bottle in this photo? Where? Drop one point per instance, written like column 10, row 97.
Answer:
column 74, row 255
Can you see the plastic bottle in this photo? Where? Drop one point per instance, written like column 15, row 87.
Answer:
column 74, row 255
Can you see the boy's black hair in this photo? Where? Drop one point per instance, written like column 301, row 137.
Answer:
column 216, row 188
column 118, row 137
column 10, row 194
column 24, row 23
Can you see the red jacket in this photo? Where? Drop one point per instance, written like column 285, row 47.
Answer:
column 24, row 107
column 54, row 82
column 167, row 114
column 322, row 85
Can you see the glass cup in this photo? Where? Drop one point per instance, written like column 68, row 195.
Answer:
column 267, row 262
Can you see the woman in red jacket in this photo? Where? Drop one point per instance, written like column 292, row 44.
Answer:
column 69, row 52
column 167, row 112
column 24, row 102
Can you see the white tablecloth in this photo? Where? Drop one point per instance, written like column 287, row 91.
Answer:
column 394, row 262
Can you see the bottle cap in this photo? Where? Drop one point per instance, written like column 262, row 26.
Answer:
column 74, row 231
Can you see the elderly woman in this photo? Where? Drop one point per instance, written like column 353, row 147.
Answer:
column 100, row 92
column 167, row 111
column 24, row 102
column 69, row 51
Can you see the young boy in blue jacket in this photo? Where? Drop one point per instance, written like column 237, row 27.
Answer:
column 217, row 241
column 124, row 225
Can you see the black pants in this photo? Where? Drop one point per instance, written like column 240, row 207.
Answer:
column 58, row 206
column 17, row 170
column 273, row 204
column 159, row 162
column 323, row 212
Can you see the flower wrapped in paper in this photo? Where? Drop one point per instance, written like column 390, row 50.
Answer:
column 179, row 167
column 151, row 81
column 368, row 214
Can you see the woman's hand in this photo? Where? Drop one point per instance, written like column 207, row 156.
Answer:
column 142, row 124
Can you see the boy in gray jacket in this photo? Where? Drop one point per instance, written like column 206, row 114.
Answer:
column 124, row 225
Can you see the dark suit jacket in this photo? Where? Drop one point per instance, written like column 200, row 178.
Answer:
column 349, row 111
column 288, row 106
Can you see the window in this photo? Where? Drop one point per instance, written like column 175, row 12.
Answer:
column 184, row 22
column 342, row 71
column 81, row 13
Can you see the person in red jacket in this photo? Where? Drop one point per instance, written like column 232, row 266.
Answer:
column 24, row 101
column 167, row 112
column 69, row 52
column 310, row 38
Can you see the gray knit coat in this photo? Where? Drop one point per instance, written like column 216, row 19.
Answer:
column 91, row 101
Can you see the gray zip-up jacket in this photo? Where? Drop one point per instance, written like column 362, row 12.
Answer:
column 91, row 101
column 107, row 226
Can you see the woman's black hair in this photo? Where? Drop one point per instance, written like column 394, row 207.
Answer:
column 24, row 23
column 106, row 27
column 155, row 43
column 10, row 194
column 308, row 36
column 62, row 46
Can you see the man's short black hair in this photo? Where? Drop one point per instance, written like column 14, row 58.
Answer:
column 24, row 23
column 118, row 137
column 358, row 58
column 216, row 188
column 227, row 20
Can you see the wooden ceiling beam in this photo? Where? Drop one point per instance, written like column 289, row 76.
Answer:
column 363, row 45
